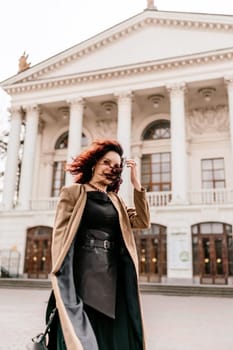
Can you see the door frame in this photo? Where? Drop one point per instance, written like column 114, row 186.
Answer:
column 148, row 256
column 213, row 276
column 37, row 263
column 212, row 231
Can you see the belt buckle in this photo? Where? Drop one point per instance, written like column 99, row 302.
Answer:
column 92, row 242
column 106, row 244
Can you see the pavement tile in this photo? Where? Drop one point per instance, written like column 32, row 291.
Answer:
column 171, row 322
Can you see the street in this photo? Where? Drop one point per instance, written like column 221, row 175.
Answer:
column 171, row 322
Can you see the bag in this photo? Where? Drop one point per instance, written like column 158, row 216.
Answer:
column 39, row 341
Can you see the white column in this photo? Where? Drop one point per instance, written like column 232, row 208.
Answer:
column 229, row 83
column 136, row 152
column 47, row 170
column 12, row 159
column 75, row 132
column 124, row 137
column 28, row 162
column 36, row 191
column 178, row 144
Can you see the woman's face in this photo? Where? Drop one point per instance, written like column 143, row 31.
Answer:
column 107, row 168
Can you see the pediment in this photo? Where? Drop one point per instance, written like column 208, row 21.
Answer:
column 147, row 37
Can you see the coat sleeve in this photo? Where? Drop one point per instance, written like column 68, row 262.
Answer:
column 139, row 216
column 64, row 210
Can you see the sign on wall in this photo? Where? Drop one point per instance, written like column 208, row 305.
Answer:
column 179, row 250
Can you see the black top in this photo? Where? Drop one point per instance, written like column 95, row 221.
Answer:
column 99, row 214
column 95, row 268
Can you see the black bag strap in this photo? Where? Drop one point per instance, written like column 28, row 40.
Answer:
column 51, row 317
column 42, row 336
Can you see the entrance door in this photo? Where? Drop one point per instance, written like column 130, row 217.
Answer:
column 214, row 262
column 38, row 252
column 152, row 253
column 212, row 252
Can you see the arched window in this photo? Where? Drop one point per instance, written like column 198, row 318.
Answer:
column 59, row 174
column 159, row 129
column 62, row 141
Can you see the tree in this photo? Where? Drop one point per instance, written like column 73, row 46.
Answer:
column 4, row 139
column 3, row 150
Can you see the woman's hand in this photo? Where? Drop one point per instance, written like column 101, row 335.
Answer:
column 130, row 163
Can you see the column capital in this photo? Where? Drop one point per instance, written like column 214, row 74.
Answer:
column 229, row 82
column 15, row 109
column 76, row 101
column 31, row 108
column 124, row 94
column 176, row 89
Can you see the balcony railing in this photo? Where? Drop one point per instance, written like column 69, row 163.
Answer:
column 44, row 203
column 211, row 197
column 202, row 197
column 159, row 199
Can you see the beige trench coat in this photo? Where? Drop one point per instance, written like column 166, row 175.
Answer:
column 68, row 215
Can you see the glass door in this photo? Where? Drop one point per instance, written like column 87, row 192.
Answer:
column 38, row 252
column 152, row 256
column 213, row 253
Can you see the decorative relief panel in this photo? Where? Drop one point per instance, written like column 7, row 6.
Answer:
column 106, row 128
column 208, row 120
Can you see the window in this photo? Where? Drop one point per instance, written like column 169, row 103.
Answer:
column 156, row 171
column 213, row 174
column 62, row 141
column 58, row 180
column 58, row 177
column 159, row 129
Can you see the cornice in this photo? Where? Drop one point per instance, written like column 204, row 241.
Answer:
column 121, row 72
column 150, row 18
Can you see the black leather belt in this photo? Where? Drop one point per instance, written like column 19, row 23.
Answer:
column 98, row 243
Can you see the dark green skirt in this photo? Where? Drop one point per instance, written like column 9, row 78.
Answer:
column 124, row 332
column 114, row 334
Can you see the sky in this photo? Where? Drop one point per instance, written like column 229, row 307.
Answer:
column 43, row 28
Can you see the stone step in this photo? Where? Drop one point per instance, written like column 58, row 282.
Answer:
column 154, row 288
column 25, row 283
column 188, row 290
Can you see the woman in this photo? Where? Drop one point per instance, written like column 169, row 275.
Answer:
column 94, row 258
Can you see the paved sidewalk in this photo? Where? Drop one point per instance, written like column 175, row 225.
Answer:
column 171, row 323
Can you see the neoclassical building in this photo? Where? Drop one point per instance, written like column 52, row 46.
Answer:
column 162, row 84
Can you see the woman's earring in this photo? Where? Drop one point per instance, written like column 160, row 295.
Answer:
column 92, row 170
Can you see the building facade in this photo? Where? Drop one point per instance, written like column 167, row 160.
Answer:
column 162, row 84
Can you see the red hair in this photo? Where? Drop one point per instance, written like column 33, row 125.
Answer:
column 81, row 166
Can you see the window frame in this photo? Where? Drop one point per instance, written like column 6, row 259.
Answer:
column 151, row 171
column 212, row 171
column 162, row 126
